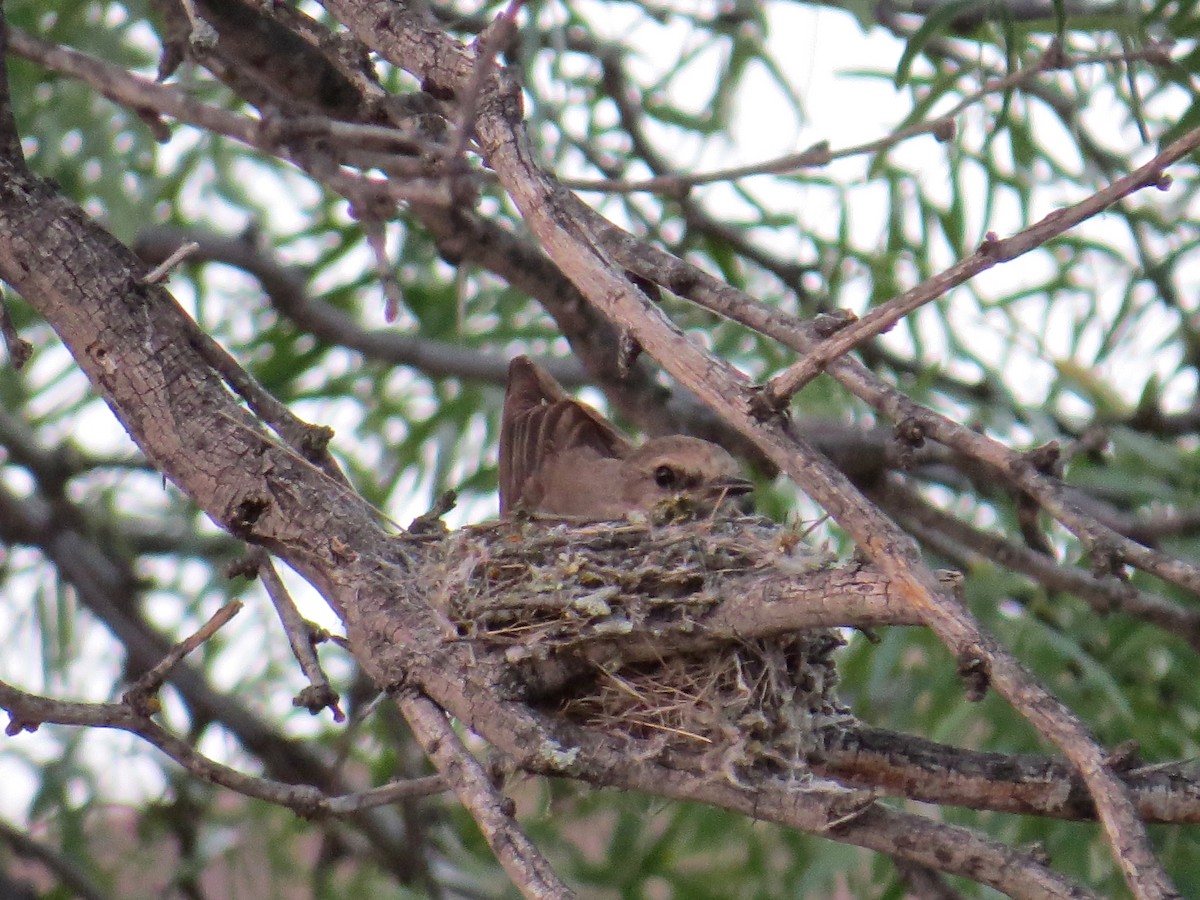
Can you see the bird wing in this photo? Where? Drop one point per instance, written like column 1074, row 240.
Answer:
column 540, row 421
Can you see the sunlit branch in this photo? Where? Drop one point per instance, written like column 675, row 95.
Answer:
column 310, row 441
column 492, row 41
column 164, row 268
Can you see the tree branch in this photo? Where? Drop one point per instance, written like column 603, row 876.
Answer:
column 27, row 712
column 493, row 813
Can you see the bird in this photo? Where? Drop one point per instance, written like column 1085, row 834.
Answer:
column 559, row 457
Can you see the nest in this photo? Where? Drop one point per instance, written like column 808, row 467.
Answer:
column 572, row 598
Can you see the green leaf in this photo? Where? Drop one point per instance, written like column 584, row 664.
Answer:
column 935, row 25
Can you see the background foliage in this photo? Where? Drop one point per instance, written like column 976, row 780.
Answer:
column 1092, row 340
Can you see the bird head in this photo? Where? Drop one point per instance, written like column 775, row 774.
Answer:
column 700, row 475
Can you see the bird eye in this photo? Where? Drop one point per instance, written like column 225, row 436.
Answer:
column 664, row 476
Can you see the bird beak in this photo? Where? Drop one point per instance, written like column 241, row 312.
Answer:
column 732, row 487
column 730, row 494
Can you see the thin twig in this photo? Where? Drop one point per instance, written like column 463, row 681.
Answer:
column 28, row 711
column 385, row 271
column 159, row 272
column 359, row 136
column 19, row 349
column 494, row 40
column 993, row 251
column 319, row 694
column 941, row 127
column 142, row 95
column 310, row 441
column 286, row 290
column 150, row 682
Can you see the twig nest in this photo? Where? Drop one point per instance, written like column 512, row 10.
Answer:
column 566, row 603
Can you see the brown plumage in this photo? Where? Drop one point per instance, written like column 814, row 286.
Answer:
column 560, row 457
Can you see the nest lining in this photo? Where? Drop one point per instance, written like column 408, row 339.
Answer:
column 538, row 591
